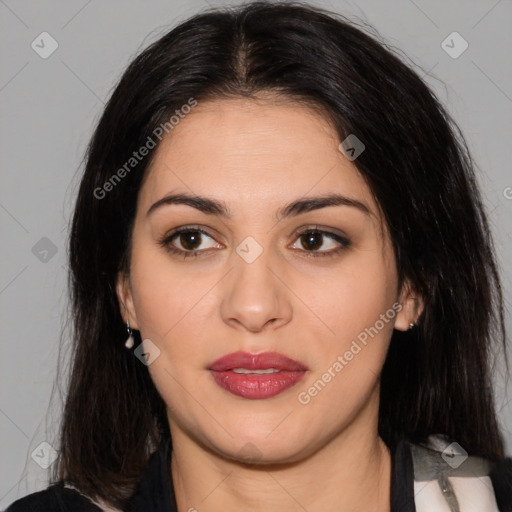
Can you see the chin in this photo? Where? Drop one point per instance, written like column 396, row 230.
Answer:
column 264, row 449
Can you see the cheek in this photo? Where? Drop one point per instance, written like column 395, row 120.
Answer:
column 348, row 357
column 162, row 294
column 346, row 301
column 172, row 310
column 347, row 362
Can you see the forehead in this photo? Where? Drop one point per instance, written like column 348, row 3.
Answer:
column 257, row 153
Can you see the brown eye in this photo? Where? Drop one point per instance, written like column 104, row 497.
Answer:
column 188, row 241
column 312, row 241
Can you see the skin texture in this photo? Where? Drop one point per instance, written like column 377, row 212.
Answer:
column 256, row 157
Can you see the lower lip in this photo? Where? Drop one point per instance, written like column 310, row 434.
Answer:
column 265, row 385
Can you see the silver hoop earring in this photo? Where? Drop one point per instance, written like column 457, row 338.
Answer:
column 129, row 341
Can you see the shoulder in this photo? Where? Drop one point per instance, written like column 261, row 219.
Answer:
column 55, row 498
column 444, row 472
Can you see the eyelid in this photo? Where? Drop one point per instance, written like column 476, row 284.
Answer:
column 323, row 229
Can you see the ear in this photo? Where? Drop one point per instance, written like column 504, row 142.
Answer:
column 412, row 307
column 125, row 298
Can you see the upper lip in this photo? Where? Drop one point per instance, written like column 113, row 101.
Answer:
column 256, row 362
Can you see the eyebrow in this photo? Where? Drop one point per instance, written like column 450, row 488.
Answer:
column 212, row 206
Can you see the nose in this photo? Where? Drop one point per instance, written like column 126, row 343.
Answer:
column 255, row 295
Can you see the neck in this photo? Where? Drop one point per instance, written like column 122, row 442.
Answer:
column 350, row 472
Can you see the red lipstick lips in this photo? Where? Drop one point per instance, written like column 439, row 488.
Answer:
column 256, row 376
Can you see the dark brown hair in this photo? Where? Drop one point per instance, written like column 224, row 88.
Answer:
column 416, row 163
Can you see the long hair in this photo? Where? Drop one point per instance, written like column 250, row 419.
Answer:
column 416, row 164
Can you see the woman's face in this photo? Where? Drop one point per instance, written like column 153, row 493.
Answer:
column 266, row 265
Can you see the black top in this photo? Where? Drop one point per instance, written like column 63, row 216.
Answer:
column 155, row 493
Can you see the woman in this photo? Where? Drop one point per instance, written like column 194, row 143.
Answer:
column 284, row 289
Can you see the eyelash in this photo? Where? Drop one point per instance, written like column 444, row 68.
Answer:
column 165, row 242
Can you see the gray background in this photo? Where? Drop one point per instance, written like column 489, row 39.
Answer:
column 49, row 107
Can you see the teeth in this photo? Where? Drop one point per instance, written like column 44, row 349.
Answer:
column 244, row 370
